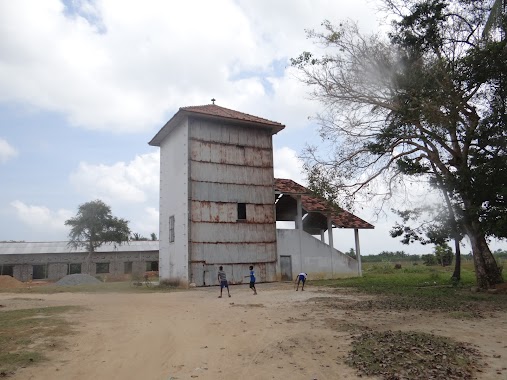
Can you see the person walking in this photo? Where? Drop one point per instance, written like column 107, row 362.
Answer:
column 301, row 278
column 252, row 280
column 222, row 279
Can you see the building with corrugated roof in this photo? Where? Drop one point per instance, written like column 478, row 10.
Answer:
column 219, row 203
column 54, row 260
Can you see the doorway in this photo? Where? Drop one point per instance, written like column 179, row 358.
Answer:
column 286, row 268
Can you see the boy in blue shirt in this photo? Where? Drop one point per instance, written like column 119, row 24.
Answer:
column 252, row 280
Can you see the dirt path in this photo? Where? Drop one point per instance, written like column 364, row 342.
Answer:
column 278, row 334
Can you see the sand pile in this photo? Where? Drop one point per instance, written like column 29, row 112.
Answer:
column 10, row 282
column 77, row 279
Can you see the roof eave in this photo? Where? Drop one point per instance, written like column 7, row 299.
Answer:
column 166, row 129
column 182, row 113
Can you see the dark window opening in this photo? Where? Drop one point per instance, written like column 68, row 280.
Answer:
column 74, row 269
column 241, row 211
column 127, row 267
column 102, row 268
column 171, row 229
column 40, row 272
column 7, row 270
column 152, row 266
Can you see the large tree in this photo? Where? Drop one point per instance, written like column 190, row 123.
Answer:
column 430, row 100
column 95, row 225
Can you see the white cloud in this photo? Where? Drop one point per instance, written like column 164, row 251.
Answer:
column 288, row 165
column 6, row 151
column 41, row 217
column 146, row 223
column 135, row 181
column 133, row 64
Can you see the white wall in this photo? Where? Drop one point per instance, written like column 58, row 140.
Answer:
column 173, row 259
column 312, row 256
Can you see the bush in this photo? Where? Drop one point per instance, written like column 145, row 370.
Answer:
column 429, row 259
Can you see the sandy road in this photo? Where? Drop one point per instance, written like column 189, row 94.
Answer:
column 278, row 334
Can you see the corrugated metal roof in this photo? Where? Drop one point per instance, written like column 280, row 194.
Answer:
column 63, row 247
column 313, row 203
column 215, row 112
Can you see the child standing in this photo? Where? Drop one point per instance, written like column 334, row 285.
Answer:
column 222, row 279
column 252, row 280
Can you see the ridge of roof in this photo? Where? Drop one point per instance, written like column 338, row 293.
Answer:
column 215, row 110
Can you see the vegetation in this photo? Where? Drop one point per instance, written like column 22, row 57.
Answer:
column 419, row 288
column 94, row 225
column 138, row 237
column 413, row 289
column 412, row 355
column 25, row 334
column 428, row 102
column 426, row 259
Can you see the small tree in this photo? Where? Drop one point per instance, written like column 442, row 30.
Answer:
column 94, row 225
column 429, row 259
column 137, row 237
column 351, row 253
column 443, row 254
column 153, row 236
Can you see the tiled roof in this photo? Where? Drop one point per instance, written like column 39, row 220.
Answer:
column 288, row 186
column 313, row 203
column 214, row 110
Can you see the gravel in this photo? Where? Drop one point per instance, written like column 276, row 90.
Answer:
column 77, row 279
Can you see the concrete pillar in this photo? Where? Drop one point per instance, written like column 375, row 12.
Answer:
column 322, row 235
column 299, row 216
column 331, row 242
column 299, row 227
column 358, row 253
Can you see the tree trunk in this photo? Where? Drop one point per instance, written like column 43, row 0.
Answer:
column 456, row 276
column 88, row 258
column 487, row 271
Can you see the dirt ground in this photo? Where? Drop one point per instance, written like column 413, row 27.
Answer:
column 278, row 334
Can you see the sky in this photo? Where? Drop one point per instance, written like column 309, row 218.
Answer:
column 84, row 85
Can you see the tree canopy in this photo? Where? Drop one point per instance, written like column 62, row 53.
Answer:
column 95, row 225
column 428, row 101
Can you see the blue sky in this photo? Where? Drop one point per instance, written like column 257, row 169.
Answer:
column 84, row 85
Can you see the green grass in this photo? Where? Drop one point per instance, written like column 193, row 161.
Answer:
column 25, row 334
column 382, row 278
column 420, row 288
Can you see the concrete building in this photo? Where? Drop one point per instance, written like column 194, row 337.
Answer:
column 217, row 204
column 54, row 260
column 298, row 249
column 216, row 195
